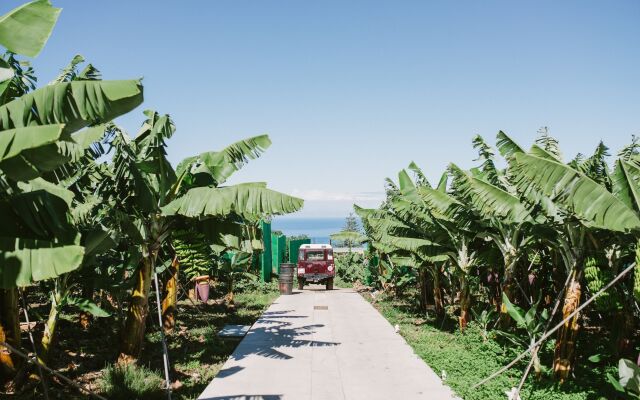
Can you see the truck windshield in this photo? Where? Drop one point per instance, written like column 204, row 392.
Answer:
column 315, row 255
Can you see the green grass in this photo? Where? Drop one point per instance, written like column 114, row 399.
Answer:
column 131, row 382
column 196, row 353
column 467, row 359
column 340, row 283
column 195, row 350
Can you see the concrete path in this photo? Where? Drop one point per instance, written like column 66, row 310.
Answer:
column 324, row 345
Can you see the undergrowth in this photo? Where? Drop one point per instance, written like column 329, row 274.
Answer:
column 467, row 358
column 131, row 382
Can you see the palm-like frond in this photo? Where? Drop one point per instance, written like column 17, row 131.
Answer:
column 491, row 201
column 575, row 192
column 421, row 179
column 214, row 167
column 75, row 104
column 26, row 29
column 507, row 146
column 631, row 150
column 626, row 184
column 486, row 156
column 24, row 261
column 348, row 236
column 246, row 200
column 549, row 143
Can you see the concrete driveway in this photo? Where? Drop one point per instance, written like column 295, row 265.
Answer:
column 318, row 345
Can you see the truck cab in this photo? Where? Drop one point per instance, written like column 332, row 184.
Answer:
column 316, row 264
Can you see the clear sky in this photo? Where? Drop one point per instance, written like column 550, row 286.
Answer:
column 352, row 91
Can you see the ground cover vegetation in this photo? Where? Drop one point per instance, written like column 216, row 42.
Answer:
column 509, row 253
column 97, row 222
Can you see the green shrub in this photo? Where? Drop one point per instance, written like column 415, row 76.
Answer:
column 256, row 286
column 131, row 382
column 349, row 267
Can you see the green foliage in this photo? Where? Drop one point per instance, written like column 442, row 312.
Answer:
column 585, row 197
column 549, row 143
column 246, row 200
column 26, row 29
column 350, row 267
column 351, row 224
column 196, row 258
column 628, row 381
column 484, row 319
column 347, row 239
column 87, row 306
column 233, row 267
column 131, row 382
column 256, row 286
column 524, row 229
column 467, row 358
column 597, row 275
column 636, row 274
column 214, row 167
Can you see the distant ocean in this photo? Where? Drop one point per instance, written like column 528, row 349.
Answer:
column 318, row 229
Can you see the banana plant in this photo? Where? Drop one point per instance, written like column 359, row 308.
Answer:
column 234, row 265
column 580, row 204
column 530, row 321
column 511, row 223
column 484, row 318
column 152, row 198
column 211, row 169
column 37, row 128
column 457, row 229
column 628, row 381
column 80, row 175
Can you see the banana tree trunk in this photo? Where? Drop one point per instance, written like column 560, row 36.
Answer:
column 50, row 328
column 567, row 334
column 230, row 294
column 624, row 321
column 133, row 333
column 636, row 273
column 85, row 318
column 495, row 292
column 437, row 292
column 423, row 289
column 170, row 296
column 508, row 289
column 9, row 333
column 465, row 304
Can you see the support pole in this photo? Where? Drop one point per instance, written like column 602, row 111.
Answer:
column 165, row 352
column 33, row 345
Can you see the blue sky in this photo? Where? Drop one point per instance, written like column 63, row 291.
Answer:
column 352, row 91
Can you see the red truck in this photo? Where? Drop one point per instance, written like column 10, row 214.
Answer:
column 315, row 264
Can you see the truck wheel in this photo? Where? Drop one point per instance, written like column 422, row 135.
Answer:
column 300, row 283
column 329, row 285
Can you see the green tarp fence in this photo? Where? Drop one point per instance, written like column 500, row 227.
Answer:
column 278, row 251
column 265, row 256
column 294, row 245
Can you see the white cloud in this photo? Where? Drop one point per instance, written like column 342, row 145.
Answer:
column 326, row 196
column 331, row 204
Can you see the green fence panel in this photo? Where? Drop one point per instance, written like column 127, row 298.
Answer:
column 294, row 245
column 282, row 247
column 265, row 256
column 278, row 251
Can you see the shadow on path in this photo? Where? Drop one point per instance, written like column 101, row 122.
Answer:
column 267, row 341
column 223, row 373
column 246, row 397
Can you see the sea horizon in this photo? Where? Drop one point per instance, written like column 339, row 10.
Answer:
column 317, row 229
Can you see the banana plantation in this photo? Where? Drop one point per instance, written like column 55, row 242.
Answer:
column 513, row 248
column 95, row 220
column 528, row 258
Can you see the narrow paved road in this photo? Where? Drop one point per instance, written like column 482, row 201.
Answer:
column 324, row 345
